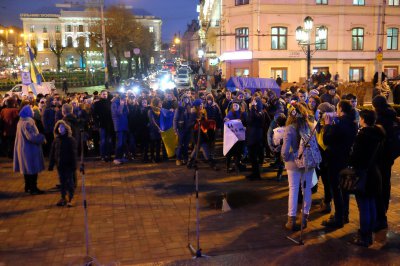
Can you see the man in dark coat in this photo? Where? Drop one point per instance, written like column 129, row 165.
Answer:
column 386, row 117
column 183, row 129
column 103, row 120
column 339, row 135
column 396, row 93
column 254, row 136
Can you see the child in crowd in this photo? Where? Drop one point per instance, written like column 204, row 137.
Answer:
column 64, row 155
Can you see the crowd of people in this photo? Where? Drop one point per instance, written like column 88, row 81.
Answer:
column 120, row 127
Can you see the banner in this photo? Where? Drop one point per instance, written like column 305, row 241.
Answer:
column 170, row 141
column 234, row 131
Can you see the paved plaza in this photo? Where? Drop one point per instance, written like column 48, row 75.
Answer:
column 139, row 214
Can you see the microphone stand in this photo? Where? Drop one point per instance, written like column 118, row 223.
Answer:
column 197, row 252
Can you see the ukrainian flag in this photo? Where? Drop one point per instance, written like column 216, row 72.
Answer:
column 36, row 72
column 168, row 135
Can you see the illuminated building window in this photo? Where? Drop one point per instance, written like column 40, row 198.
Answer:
column 80, row 28
column 321, row 2
column 279, row 38
column 68, row 28
column 151, row 29
column 320, row 45
column 358, row 3
column 357, row 39
column 240, row 72
column 32, row 28
column 392, row 38
column 58, row 29
column 242, row 39
column 393, row 2
column 279, row 71
column 356, row 74
column 44, row 29
column 45, row 44
column 241, row 2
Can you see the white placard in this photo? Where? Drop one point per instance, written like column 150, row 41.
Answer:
column 234, row 131
column 26, row 78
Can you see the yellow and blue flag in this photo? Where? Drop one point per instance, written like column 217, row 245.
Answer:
column 36, row 73
column 168, row 134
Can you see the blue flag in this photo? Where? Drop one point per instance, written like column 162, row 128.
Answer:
column 166, row 119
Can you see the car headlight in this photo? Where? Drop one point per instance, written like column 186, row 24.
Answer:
column 135, row 89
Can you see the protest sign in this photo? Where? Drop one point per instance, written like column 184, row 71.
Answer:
column 234, row 131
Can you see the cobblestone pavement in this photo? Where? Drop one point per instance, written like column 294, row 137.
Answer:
column 139, row 214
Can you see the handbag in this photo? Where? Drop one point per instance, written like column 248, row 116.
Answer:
column 353, row 181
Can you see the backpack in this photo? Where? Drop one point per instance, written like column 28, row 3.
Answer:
column 308, row 155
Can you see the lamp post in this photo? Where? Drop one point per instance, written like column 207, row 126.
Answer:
column 303, row 38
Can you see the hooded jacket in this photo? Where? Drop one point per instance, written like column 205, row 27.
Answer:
column 63, row 152
column 28, row 154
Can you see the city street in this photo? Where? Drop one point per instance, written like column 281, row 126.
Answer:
column 138, row 214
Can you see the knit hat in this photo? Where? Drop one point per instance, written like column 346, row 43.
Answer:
column 326, row 107
column 26, row 111
column 197, row 103
column 314, row 92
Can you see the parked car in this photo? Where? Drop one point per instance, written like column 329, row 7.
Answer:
column 24, row 90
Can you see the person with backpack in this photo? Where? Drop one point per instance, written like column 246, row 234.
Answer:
column 301, row 156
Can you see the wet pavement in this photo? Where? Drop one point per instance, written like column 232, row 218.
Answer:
column 140, row 214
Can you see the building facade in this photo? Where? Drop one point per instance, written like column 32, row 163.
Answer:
column 258, row 37
column 70, row 28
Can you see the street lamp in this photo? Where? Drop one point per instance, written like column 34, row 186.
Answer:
column 303, row 38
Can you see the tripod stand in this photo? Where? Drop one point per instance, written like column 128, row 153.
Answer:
column 196, row 252
column 89, row 260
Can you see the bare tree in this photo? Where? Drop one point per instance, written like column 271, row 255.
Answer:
column 57, row 49
column 123, row 33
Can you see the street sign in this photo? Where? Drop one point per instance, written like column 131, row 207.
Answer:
column 379, row 57
column 26, row 78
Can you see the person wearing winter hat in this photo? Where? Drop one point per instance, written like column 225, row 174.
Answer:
column 28, row 154
column 199, row 119
column 63, row 155
column 182, row 128
column 213, row 114
column 255, row 136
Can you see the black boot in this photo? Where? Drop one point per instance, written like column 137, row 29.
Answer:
column 35, row 190
column 27, row 184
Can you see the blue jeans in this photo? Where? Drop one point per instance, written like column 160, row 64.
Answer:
column 183, row 146
column 367, row 210
column 105, row 143
column 122, row 138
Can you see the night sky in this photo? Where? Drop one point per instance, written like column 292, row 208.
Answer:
column 175, row 14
